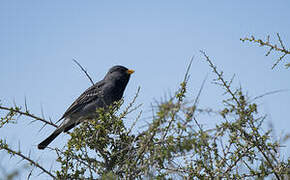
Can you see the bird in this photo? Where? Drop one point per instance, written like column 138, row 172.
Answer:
column 100, row 95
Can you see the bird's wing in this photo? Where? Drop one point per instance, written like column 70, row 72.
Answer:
column 86, row 97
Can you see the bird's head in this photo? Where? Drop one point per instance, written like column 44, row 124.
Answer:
column 119, row 73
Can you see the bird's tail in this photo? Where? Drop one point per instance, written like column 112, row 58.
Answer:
column 50, row 138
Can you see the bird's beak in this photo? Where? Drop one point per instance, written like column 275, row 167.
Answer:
column 130, row 71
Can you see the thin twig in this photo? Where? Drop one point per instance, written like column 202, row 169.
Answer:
column 130, row 107
column 243, row 153
column 84, row 71
column 186, row 76
column 278, row 60
column 228, row 89
column 27, row 114
column 220, row 78
column 262, row 43
column 280, row 41
column 196, row 101
column 275, row 47
column 27, row 159
column 268, row 93
column 135, row 121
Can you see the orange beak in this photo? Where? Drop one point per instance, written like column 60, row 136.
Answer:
column 130, row 71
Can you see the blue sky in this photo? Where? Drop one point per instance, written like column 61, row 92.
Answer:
column 39, row 39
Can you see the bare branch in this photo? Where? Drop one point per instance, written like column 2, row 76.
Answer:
column 27, row 114
column 183, row 87
column 268, row 93
column 225, row 84
column 9, row 150
column 196, row 101
column 228, row 89
column 275, row 47
column 84, row 71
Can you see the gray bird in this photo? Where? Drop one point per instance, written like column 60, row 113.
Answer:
column 100, row 95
